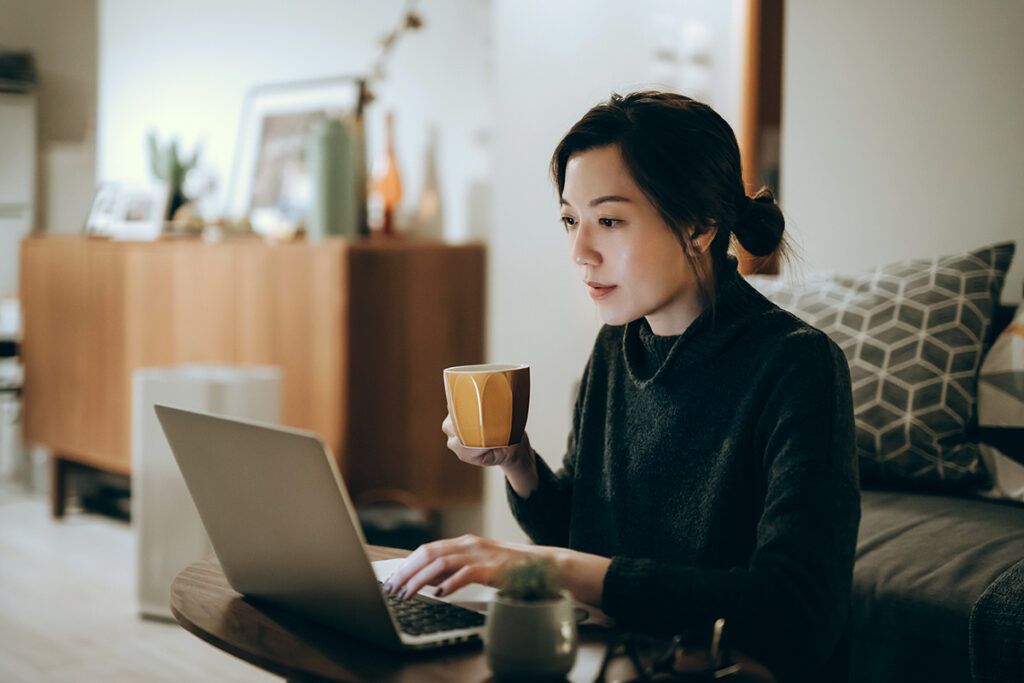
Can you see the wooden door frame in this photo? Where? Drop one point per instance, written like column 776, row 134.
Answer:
column 751, row 114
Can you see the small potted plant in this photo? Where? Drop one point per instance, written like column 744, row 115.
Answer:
column 531, row 625
column 168, row 164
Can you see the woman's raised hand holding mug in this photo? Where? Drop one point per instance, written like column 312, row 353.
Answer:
column 487, row 409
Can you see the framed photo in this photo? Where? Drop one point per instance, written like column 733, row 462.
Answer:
column 270, row 181
column 128, row 211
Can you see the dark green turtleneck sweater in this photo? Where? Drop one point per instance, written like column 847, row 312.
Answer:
column 717, row 469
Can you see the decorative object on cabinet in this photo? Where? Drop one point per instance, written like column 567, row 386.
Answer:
column 428, row 220
column 271, row 183
column 333, row 159
column 386, row 187
column 410, row 20
column 170, row 166
column 130, row 211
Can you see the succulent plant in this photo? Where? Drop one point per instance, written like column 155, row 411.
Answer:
column 170, row 166
column 531, row 581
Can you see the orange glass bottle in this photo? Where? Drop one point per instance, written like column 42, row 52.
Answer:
column 386, row 187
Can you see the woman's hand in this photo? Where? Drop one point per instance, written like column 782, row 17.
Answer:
column 452, row 563
column 518, row 461
column 484, row 457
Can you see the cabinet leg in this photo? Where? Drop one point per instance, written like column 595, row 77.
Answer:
column 58, row 493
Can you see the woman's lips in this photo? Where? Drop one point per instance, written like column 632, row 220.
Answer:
column 599, row 292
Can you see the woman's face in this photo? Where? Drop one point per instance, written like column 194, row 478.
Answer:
column 631, row 262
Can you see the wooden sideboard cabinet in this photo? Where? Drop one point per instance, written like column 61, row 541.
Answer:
column 361, row 330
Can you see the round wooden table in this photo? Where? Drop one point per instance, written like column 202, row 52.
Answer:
column 301, row 650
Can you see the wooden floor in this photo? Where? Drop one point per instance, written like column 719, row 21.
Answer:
column 67, row 608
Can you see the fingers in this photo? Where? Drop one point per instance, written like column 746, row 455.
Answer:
column 422, row 558
column 473, row 456
column 476, row 456
column 413, row 564
column 454, row 445
column 435, row 572
column 471, row 573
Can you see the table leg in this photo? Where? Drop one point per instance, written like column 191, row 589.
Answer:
column 58, row 492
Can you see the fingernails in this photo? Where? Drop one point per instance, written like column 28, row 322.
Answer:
column 439, row 592
column 388, row 587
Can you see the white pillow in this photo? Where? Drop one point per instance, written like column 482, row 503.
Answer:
column 1001, row 411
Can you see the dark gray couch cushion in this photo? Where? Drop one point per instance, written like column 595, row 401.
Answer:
column 997, row 630
column 922, row 563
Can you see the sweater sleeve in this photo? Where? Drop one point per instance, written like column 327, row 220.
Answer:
column 546, row 513
column 790, row 605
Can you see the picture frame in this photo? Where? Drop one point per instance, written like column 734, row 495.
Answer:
column 128, row 211
column 270, row 183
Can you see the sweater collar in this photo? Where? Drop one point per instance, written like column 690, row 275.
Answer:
column 735, row 301
column 656, row 347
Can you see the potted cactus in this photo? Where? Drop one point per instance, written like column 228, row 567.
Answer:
column 170, row 166
column 531, row 625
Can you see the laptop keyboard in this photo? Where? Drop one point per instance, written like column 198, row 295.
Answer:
column 418, row 617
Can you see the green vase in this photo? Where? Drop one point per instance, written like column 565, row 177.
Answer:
column 333, row 210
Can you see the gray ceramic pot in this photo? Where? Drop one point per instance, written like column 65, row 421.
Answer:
column 531, row 640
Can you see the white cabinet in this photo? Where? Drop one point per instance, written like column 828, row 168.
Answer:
column 17, row 181
column 14, row 225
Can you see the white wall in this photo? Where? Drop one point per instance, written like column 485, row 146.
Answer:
column 61, row 34
column 553, row 61
column 903, row 129
column 503, row 80
column 183, row 68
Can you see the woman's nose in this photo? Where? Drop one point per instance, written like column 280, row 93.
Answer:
column 583, row 251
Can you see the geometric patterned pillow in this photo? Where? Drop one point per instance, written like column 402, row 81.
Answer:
column 914, row 334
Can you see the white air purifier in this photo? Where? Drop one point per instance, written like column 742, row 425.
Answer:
column 169, row 534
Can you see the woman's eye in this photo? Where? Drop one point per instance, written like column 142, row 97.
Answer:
column 608, row 222
column 568, row 222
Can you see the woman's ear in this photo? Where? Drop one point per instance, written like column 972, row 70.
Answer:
column 701, row 237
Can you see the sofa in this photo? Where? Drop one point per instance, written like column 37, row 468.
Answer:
column 938, row 585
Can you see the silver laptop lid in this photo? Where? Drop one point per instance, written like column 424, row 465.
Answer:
column 279, row 518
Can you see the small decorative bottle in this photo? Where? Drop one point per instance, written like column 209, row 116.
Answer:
column 429, row 218
column 386, row 187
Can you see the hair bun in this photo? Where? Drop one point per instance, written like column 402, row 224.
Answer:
column 759, row 223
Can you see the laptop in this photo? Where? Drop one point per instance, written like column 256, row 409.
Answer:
column 281, row 522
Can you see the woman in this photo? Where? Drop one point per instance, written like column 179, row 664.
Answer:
column 710, row 471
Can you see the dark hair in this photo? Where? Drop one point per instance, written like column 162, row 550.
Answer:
column 685, row 159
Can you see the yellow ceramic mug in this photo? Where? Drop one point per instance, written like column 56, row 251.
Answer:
column 488, row 403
